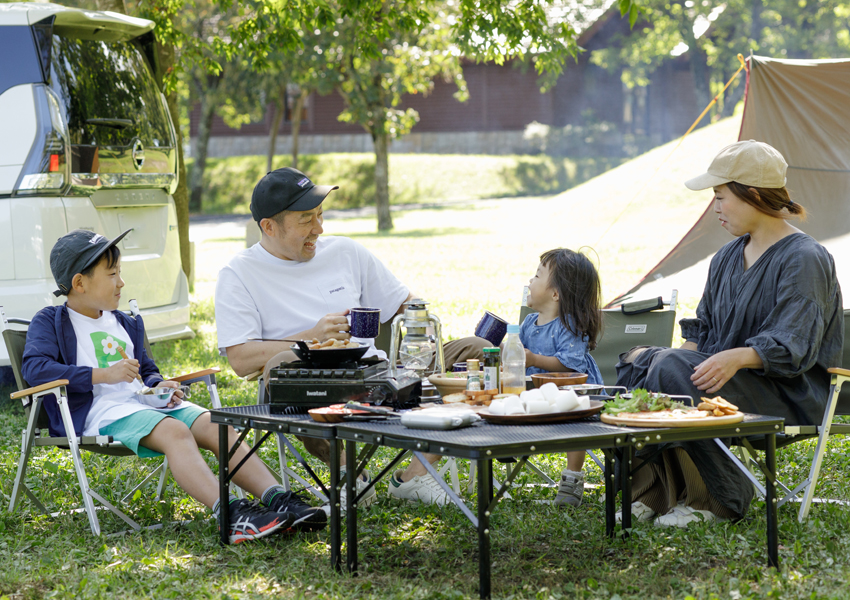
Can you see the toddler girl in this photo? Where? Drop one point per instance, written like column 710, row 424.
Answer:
column 565, row 292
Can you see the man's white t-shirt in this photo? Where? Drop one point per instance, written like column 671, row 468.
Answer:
column 97, row 347
column 261, row 296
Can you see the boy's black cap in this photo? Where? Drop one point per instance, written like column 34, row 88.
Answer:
column 76, row 251
column 286, row 189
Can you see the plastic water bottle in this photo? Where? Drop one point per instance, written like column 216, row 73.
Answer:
column 513, row 363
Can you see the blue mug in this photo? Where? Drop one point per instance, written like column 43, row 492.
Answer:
column 491, row 328
column 365, row 322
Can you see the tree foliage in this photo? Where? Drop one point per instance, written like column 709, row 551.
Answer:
column 379, row 50
column 713, row 32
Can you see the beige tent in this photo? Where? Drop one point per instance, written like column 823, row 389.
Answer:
column 802, row 108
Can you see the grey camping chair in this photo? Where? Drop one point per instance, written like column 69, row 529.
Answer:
column 838, row 405
column 35, row 435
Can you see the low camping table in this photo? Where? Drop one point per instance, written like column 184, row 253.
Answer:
column 484, row 442
column 259, row 418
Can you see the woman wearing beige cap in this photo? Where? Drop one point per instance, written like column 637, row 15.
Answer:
column 769, row 325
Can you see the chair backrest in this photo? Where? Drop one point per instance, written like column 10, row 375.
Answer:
column 384, row 339
column 622, row 332
column 843, row 407
column 16, row 340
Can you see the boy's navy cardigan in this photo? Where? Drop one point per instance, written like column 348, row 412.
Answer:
column 51, row 354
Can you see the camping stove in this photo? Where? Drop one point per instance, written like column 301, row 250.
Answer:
column 297, row 386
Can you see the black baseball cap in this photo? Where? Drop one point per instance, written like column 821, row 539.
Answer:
column 286, row 189
column 75, row 252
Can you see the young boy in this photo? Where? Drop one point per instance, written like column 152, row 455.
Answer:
column 82, row 341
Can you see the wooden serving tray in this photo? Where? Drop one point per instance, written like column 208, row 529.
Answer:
column 699, row 422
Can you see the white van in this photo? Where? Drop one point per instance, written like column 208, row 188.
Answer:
column 86, row 142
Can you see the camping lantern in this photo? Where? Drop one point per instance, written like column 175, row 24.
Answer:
column 417, row 347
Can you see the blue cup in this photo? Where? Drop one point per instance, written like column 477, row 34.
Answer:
column 491, row 328
column 365, row 322
column 459, row 367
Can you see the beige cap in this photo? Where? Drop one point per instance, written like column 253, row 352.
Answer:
column 750, row 163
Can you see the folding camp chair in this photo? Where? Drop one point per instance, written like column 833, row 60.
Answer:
column 37, row 423
column 838, row 404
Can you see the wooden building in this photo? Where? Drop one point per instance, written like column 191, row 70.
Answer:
column 503, row 100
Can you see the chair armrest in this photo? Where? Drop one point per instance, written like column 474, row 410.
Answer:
column 37, row 389
column 195, row 375
column 253, row 376
column 839, row 372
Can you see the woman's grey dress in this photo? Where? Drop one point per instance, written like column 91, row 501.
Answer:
column 787, row 307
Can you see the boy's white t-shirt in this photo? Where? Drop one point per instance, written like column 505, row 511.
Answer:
column 97, row 347
column 261, row 296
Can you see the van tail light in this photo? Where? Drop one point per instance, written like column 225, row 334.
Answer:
column 47, row 169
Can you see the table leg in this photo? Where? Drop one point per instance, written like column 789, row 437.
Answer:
column 626, row 486
column 485, row 493
column 351, row 508
column 770, row 503
column 333, row 499
column 223, row 486
column 610, row 494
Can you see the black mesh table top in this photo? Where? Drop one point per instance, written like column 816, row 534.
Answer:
column 486, row 440
column 499, row 441
column 258, row 416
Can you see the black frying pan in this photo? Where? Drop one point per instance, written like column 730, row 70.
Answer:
column 329, row 357
column 325, row 357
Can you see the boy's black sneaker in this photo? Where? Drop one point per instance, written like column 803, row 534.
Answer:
column 305, row 517
column 251, row 521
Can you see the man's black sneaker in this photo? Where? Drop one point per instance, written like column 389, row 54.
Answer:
column 251, row 521
column 305, row 517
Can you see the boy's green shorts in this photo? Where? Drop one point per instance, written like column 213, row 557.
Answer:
column 132, row 428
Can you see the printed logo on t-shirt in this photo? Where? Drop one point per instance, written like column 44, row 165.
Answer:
column 335, row 290
column 106, row 348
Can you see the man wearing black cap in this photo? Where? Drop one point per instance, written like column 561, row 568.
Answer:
column 297, row 285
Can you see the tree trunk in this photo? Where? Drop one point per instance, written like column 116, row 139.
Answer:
column 277, row 117
column 296, row 124
column 734, row 96
column 382, row 179
column 756, row 22
column 697, row 60
column 181, row 194
column 196, row 181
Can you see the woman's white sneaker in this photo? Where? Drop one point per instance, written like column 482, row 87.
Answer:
column 423, row 488
column 640, row 512
column 682, row 516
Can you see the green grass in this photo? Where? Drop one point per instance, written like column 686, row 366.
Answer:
column 464, row 258
column 406, row 551
column 414, row 178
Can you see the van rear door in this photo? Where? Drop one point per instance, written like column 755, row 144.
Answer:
column 123, row 159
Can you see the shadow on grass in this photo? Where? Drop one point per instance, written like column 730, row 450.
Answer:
column 416, row 233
